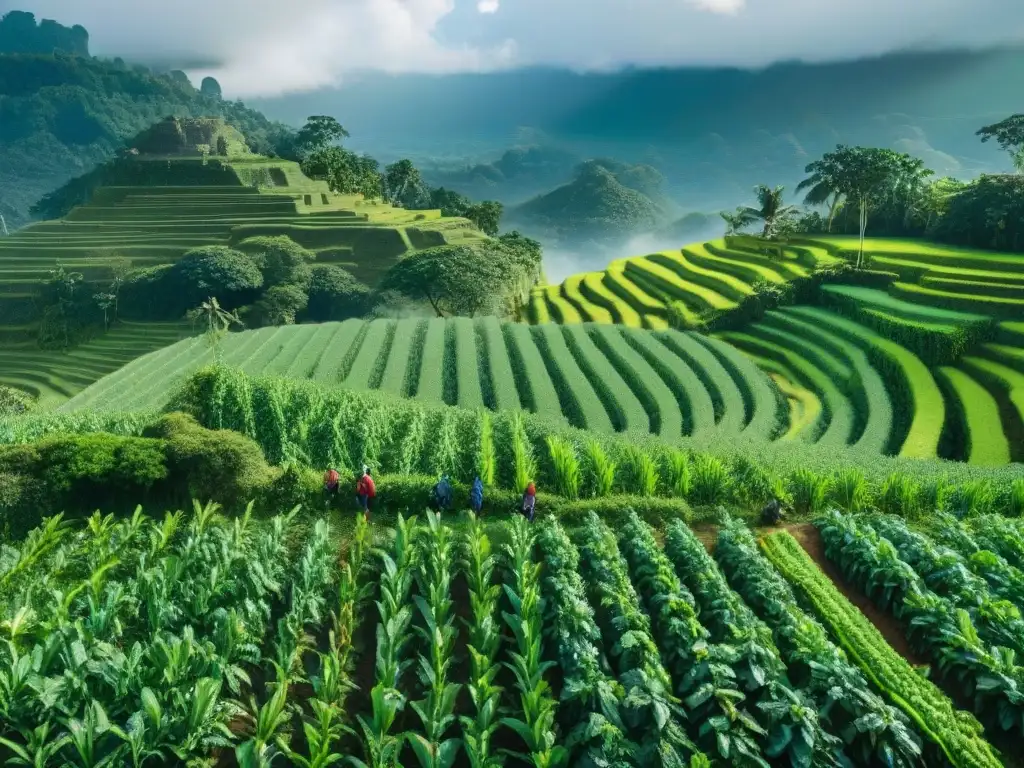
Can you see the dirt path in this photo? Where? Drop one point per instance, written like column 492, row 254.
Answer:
column 886, row 623
column 810, row 540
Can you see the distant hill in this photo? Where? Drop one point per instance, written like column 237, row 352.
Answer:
column 62, row 112
column 517, row 175
column 606, row 200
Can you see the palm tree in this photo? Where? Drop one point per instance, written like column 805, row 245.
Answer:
column 771, row 210
column 218, row 321
column 822, row 191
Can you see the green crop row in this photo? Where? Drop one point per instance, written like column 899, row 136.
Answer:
column 396, row 375
column 1005, row 581
column 919, row 407
column 935, row 625
column 659, row 401
column 496, row 361
column 375, row 348
column 469, row 375
column 761, row 400
column 948, row 574
column 593, row 289
column 580, row 402
column 997, row 306
column 729, row 289
column 589, row 311
column 956, row 733
column 623, row 407
column 537, row 392
column 872, row 408
column 651, row 711
column 693, row 402
column 430, row 384
column 977, row 427
column 874, row 732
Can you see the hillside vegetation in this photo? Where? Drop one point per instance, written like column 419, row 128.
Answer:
column 63, row 112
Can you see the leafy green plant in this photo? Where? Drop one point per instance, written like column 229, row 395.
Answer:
column 809, row 491
column 641, row 472
column 678, row 474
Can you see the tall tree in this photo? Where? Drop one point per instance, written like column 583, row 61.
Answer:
column 866, row 176
column 486, row 215
column 403, row 184
column 454, row 279
column 344, row 171
column 319, row 132
column 1009, row 134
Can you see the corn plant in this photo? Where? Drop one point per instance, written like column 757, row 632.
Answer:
column 487, row 461
column 267, row 724
column 436, row 710
column 353, row 592
column 809, row 491
column 678, row 473
column 602, row 469
column 394, row 632
column 566, row 466
column 650, row 710
column 322, row 732
column 899, row 495
column 591, row 699
column 1015, row 506
column 536, row 726
column 524, row 465
column 709, row 480
column 849, row 491
column 641, row 471
column 484, row 644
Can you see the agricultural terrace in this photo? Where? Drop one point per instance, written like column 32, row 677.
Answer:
column 923, row 357
column 494, row 642
column 52, row 377
column 598, row 377
column 168, row 206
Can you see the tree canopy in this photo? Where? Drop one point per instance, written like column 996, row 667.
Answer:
column 281, row 260
column 1009, row 134
column 319, row 132
column 454, row 279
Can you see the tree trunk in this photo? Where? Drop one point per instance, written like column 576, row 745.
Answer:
column 863, row 227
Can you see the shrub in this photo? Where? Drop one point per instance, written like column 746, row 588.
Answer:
column 215, row 465
column 334, row 294
column 14, row 401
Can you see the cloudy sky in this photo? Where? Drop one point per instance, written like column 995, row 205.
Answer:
column 270, row 47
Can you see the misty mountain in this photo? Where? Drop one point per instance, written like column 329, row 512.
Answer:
column 714, row 133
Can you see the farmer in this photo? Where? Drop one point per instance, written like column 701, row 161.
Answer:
column 442, row 493
column 529, row 500
column 331, row 483
column 772, row 513
column 366, row 490
column 476, row 496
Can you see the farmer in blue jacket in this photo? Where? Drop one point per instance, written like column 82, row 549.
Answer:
column 476, row 495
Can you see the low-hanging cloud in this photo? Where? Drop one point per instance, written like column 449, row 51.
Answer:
column 266, row 47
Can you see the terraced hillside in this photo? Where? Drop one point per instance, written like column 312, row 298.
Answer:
column 930, row 362
column 598, row 377
column 53, row 376
column 170, row 205
column 643, row 291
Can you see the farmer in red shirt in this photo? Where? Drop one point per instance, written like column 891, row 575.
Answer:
column 366, row 490
column 331, row 484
